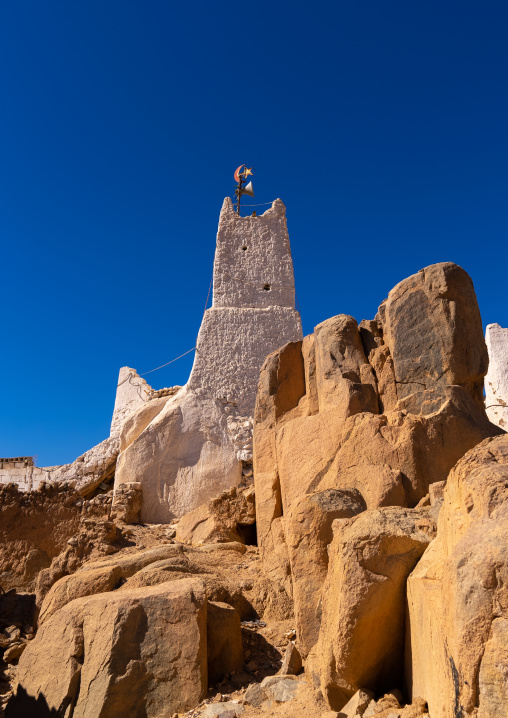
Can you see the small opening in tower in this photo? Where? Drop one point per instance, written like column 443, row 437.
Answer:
column 267, row 287
column 244, row 248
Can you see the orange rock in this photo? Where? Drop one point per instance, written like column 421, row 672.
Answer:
column 104, row 653
column 458, row 596
column 361, row 639
column 309, row 531
column 224, row 641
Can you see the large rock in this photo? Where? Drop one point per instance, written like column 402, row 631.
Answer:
column 345, row 379
column 104, row 654
column 103, row 575
column 361, row 640
column 458, row 597
column 224, row 641
column 309, row 531
column 318, row 424
column 496, row 381
column 231, row 516
column 393, row 458
column 432, row 326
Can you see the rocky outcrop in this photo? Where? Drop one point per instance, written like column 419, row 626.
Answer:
column 457, row 594
column 308, row 533
column 149, row 567
column 224, row 641
column 124, row 668
column 384, row 408
column 182, row 458
column 432, row 326
column 496, row 381
column 361, row 639
column 231, row 516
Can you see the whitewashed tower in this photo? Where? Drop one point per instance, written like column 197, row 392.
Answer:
column 253, row 305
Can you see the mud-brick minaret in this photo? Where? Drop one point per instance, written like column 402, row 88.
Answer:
column 253, row 306
column 187, row 448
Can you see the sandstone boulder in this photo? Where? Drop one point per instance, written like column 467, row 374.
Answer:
column 231, row 516
column 224, row 641
column 101, row 576
column 432, row 325
column 78, row 585
column 457, row 595
column 309, row 531
column 357, row 705
column 361, row 640
column 292, row 661
column 392, row 459
column 345, row 379
column 123, row 667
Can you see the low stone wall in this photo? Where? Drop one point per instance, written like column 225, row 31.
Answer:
column 35, row 527
column 26, row 478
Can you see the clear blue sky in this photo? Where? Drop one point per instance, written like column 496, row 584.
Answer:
column 381, row 125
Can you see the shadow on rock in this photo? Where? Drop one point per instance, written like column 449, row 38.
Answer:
column 23, row 705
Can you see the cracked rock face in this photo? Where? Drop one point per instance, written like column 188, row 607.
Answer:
column 124, row 668
column 385, row 408
column 361, row 642
column 496, row 381
column 458, row 593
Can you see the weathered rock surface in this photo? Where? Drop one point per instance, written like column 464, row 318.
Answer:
column 214, row 564
column 361, row 640
column 224, row 641
column 496, row 381
column 432, row 325
column 457, row 594
column 95, row 466
column 96, row 537
column 357, row 705
column 385, row 408
column 308, row 532
column 183, row 458
column 292, row 661
column 231, row 516
column 124, row 668
column 137, row 422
